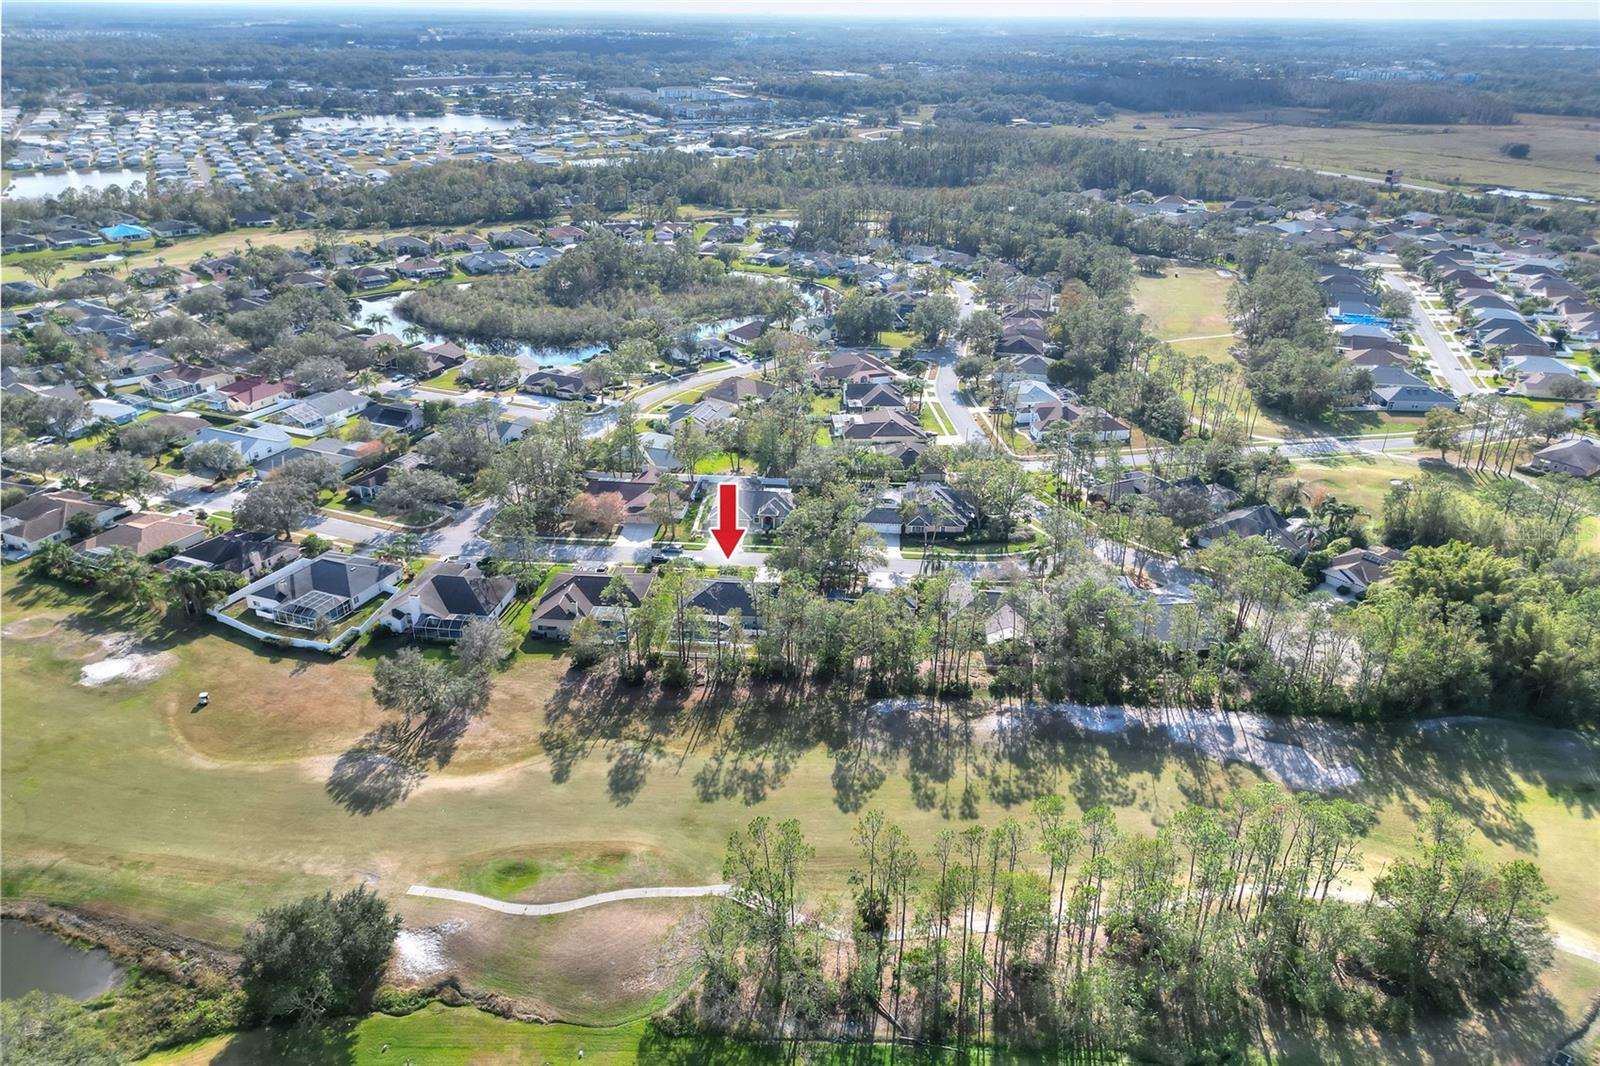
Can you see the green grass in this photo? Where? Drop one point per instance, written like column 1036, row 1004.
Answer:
column 446, row 380
column 716, row 463
column 828, row 404
column 502, row 878
column 1364, row 479
column 1190, row 304
column 898, row 339
column 932, row 417
column 121, row 799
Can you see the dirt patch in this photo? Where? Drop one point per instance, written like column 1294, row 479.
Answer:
column 124, row 661
column 32, row 628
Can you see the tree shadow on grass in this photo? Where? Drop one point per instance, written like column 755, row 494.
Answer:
column 330, row 1044
column 384, row 767
column 1524, row 1028
column 594, row 712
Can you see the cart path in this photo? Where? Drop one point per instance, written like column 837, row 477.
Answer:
column 563, row 907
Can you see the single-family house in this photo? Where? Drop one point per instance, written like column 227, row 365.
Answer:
column 936, row 508
column 181, row 383
column 847, row 365
column 446, row 598
column 404, row 246
column 879, row 426
column 1578, row 457
column 347, row 456
column 514, row 238
column 144, row 533
column 564, row 234
column 747, row 334
column 718, row 596
column 460, row 242
column 635, row 494
column 579, row 594
column 481, row 263
column 174, row 227
column 657, row 449
column 1105, row 427
column 112, row 411
column 421, row 269
column 868, row 395
column 46, row 516
column 1360, row 568
column 309, row 593
column 236, row 552
column 1258, row 521
column 704, row 412
column 324, row 411
column 736, row 390
column 554, row 383
column 400, row 417
column 256, row 444
column 254, row 393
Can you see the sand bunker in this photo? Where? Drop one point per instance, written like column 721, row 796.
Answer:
column 1304, row 754
column 419, row 953
column 124, row 662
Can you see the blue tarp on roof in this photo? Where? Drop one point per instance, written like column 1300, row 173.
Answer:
column 122, row 231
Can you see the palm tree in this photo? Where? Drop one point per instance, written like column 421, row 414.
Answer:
column 413, row 334
column 53, row 559
column 189, row 586
column 378, row 320
column 400, row 549
column 914, row 388
column 366, row 378
column 126, row 578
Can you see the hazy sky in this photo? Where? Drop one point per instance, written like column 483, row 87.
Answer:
column 1095, row 9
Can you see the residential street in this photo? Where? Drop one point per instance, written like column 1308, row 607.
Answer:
column 1442, row 352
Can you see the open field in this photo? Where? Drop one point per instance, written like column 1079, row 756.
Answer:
column 1561, row 157
column 121, row 798
column 1185, row 302
column 1363, row 479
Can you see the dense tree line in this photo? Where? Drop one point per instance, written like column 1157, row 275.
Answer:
column 603, row 291
column 1071, row 933
column 1288, row 345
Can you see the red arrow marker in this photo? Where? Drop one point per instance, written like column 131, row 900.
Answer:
column 728, row 532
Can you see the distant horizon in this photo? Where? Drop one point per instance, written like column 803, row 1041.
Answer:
column 1460, row 12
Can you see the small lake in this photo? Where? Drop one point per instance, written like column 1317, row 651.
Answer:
column 450, row 122
column 1524, row 194
column 24, row 186
column 32, row 959
column 531, row 355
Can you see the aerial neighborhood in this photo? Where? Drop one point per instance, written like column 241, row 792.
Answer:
column 499, row 513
